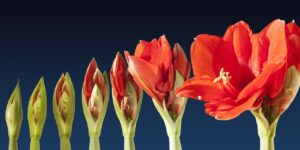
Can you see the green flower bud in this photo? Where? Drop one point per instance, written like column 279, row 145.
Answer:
column 14, row 113
column 36, row 114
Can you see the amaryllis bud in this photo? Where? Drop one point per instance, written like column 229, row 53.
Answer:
column 94, row 89
column 14, row 117
column 64, row 109
column 36, row 114
column 127, row 99
column 95, row 96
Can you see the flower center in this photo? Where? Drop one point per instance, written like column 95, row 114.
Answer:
column 223, row 76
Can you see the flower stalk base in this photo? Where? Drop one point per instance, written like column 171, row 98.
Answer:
column 65, row 143
column 94, row 143
column 34, row 144
column 129, row 143
column 174, row 142
column 13, row 144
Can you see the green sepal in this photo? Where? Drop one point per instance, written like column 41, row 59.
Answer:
column 173, row 126
column 128, row 126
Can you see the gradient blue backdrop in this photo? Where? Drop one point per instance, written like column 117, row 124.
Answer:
column 48, row 39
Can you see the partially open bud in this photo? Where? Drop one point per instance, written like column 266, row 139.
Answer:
column 64, row 104
column 127, row 99
column 95, row 97
column 36, row 113
column 14, row 113
column 125, row 91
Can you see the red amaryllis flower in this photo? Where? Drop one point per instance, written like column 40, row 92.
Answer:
column 125, row 90
column 94, row 81
column 153, row 68
column 236, row 72
column 158, row 71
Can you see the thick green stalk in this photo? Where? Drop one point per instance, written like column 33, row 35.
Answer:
column 94, row 143
column 34, row 143
column 129, row 143
column 174, row 142
column 13, row 144
column 65, row 143
column 267, row 143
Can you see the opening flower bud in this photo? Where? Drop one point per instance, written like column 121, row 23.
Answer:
column 94, row 90
column 64, row 97
column 125, row 90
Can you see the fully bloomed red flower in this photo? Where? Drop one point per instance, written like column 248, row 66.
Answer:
column 153, row 68
column 238, row 71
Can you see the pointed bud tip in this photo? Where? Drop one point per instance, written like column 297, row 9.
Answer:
column 93, row 62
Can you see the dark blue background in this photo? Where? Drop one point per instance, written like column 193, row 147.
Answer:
column 48, row 39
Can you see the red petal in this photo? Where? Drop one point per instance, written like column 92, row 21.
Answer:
column 202, row 53
column 203, row 88
column 260, row 81
column 181, row 63
column 238, row 109
column 239, row 34
column 88, row 79
column 118, row 77
column 294, row 45
column 59, row 88
column 146, row 75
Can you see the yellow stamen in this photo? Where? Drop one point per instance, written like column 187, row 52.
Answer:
column 224, row 76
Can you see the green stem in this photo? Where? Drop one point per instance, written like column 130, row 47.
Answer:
column 13, row 144
column 34, row 143
column 94, row 143
column 174, row 142
column 267, row 143
column 129, row 143
column 65, row 143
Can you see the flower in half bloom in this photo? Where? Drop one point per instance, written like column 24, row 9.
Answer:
column 36, row 114
column 279, row 104
column 154, row 66
column 158, row 70
column 14, row 117
column 64, row 108
column 127, row 98
column 238, row 71
column 95, row 96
